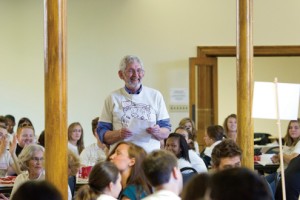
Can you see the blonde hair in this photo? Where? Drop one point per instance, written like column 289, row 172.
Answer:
column 27, row 153
column 289, row 141
column 73, row 163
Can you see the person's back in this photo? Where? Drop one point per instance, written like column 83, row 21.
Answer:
column 161, row 170
column 238, row 184
column 37, row 190
column 292, row 181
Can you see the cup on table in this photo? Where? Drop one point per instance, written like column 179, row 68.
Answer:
column 85, row 171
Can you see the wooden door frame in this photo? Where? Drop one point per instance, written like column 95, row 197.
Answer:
column 208, row 56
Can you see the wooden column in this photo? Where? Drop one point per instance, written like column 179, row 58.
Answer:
column 56, row 164
column 244, row 57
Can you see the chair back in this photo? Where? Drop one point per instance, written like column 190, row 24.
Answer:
column 187, row 173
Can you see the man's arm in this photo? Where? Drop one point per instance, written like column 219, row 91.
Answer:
column 109, row 136
column 161, row 130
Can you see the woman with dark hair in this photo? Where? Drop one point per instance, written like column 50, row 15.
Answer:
column 197, row 162
column 75, row 138
column 104, row 183
column 177, row 144
column 213, row 136
column 128, row 158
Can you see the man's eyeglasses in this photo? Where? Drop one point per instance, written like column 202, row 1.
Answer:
column 36, row 159
column 131, row 71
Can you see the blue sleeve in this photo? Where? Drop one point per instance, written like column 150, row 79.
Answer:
column 165, row 123
column 102, row 128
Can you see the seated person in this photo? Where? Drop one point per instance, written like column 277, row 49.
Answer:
column 230, row 127
column 225, row 155
column 176, row 144
column 75, row 138
column 95, row 152
column 189, row 125
column 37, row 190
column 197, row 162
column 73, row 168
column 104, row 183
column 238, row 184
column 161, row 169
column 25, row 136
column 31, row 161
column 292, row 181
column 213, row 136
column 128, row 158
column 8, row 159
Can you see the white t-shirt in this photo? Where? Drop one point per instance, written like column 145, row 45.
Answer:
column 162, row 195
column 91, row 155
column 23, row 177
column 208, row 150
column 131, row 110
column 6, row 161
column 197, row 162
column 106, row 197
column 290, row 150
column 73, row 148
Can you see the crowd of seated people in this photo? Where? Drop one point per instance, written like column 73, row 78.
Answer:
column 128, row 172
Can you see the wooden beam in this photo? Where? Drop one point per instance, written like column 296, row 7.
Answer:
column 259, row 51
column 244, row 58
column 56, row 164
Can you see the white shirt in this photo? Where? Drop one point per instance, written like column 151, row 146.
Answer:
column 91, row 155
column 73, row 148
column 106, row 197
column 125, row 110
column 23, row 177
column 208, row 150
column 197, row 162
column 183, row 163
column 6, row 161
column 162, row 195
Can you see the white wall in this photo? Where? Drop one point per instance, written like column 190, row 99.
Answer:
column 163, row 33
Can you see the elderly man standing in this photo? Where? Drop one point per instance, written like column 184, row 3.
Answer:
column 135, row 112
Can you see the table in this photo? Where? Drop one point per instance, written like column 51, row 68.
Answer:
column 266, row 169
column 6, row 189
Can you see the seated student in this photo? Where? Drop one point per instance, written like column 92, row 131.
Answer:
column 104, row 183
column 128, row 158
column 225, row 155
column 75, row 138
column 96, row 152
column 197, row 162
column 176, row 144
column 25, row 136
column 161, row 169
column 73, row 168
column 37, row 190
column 213, row 136
column 189, row 125
column 11, row 122
column 292, row 181
column 196, row 187
column 291, row 149
column 238, row 184
column 31, row 160
column 230, row 127
column 8, row 159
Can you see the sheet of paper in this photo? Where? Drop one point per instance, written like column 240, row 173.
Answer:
column 264, row 100
column 138, row 129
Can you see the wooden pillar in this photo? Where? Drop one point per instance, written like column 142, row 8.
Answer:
column 56, row 164
column 244, row 57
